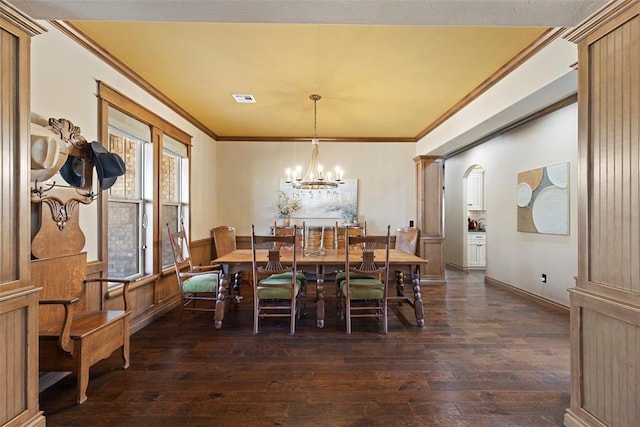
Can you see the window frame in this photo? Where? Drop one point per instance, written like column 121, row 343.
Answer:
column 141, row 200
column 109, row 97
column 180, row 202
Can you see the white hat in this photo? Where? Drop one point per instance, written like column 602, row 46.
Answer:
column 48, row 153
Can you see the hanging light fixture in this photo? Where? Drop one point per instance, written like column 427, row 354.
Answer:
column 316, row 178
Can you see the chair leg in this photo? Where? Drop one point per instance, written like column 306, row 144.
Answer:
column 384, row 313
column 293, row 315
column 256, row 311
column 348, row 315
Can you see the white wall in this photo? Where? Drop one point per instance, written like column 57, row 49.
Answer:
column 249, row 174
column 516, row 258
column 543, row 79
column 63, row 85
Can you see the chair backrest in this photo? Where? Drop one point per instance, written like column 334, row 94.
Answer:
column 407, row 239
column 180, row 248
column 273, row 264
column 321, row 236
column 354, row 230
column 224, row 239
column 367, row 245
column 290, row 230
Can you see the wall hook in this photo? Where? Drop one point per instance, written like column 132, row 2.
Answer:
column 40, row 190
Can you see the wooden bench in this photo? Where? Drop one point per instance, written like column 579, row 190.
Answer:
column 76, row 331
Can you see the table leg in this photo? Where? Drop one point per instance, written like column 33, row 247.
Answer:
column 237, row 277
column 399, row 283
column 320, row 295
column 219, row 313
column 417, row 298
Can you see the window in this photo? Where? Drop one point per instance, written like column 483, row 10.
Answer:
column 153, row 191
column 128, row 198
column 172, row 188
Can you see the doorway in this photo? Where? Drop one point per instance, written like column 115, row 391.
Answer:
column 475, row 226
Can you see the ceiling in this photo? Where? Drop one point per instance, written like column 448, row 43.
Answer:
column 386, row 70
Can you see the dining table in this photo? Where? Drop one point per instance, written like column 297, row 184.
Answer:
column 319, row 265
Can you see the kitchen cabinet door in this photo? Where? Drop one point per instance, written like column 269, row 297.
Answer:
column 475, row 191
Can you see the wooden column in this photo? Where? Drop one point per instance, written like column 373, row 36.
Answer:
column 18, row 296
column 429, row 187
column 605, row 304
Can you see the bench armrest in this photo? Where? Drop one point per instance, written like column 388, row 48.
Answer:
column 64, row 340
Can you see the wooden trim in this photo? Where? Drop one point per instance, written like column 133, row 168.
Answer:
column 102, row 200
column 201, row 242
column 571, row 99
column 132, row 108
column 537, row 298
column 600, row 18
column 23, row 292
column 154, row 312
column 16, row 18
column 143, row 281
column 95, row 267
column 571, row 419
column 617, row 309
column 534, row 47
column 307, row 139
column 85, row 41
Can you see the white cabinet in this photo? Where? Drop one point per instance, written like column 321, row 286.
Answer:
column 475, row 191
column 477, row 250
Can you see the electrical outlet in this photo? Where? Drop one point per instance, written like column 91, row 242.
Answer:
column 543, row 278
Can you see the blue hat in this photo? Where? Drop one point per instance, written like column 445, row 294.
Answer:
column 72, row 171
column 109, row 166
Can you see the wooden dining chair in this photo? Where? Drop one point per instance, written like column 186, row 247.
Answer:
column 353, row 230
column 196, row 283
column 406, row 241
column 277, row 285
column 290, row 230
column 363, row 287
column 321, row 236
column 224, row 241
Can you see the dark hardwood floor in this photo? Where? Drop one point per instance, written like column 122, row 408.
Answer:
column 485, row 357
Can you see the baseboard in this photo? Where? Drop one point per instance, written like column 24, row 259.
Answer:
column 536, row 298
column 571, row 419
column 37, row 420
column 465, row 269
column 153, row 313
column 431, row 282
column 454, row 266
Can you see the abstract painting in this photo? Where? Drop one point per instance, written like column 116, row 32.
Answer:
column 337, row 202
column 543, row 200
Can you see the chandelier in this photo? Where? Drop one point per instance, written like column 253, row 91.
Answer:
column 316, row 178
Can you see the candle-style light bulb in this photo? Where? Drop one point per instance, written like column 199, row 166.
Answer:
column 298, row 173
column 320, row 172
column 288, row 172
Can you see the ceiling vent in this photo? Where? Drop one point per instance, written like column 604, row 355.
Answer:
column 244, row 99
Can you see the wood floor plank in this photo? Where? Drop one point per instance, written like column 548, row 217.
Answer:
column 485, row 357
